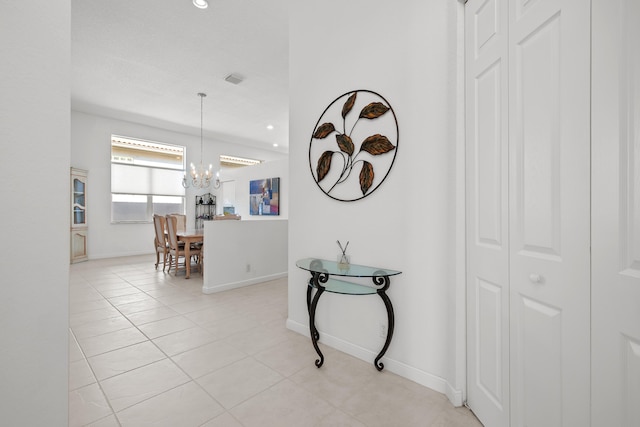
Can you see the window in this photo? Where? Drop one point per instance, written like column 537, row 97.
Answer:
column 146, row 178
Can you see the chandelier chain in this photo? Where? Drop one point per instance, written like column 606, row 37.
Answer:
column 201, row 95
column 200, row 177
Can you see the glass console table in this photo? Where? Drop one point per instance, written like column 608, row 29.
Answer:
column 323, row 278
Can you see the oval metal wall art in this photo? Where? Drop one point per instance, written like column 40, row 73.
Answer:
column 353, row 145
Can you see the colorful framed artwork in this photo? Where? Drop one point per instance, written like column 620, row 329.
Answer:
column 264, row 196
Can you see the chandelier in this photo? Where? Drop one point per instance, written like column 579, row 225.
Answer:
column 199, row 176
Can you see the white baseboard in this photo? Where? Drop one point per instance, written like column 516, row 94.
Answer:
column 120, row 255
column 454, row 396
column 426, row 379
column 233, row 285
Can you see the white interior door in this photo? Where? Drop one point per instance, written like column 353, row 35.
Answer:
column 528, row 204
column 487, row 210
column 616, row 213
column 549, row 140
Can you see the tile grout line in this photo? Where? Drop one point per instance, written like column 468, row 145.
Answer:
column 113, row 412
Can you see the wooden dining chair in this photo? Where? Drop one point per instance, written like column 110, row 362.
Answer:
column 160, row 241
column 181, row 224
column 176, row 249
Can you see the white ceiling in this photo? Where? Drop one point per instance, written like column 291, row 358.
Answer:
column 146, row 60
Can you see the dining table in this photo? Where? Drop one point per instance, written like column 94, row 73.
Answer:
column 189, row 237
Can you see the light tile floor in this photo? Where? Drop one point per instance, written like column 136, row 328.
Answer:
column 150, row 349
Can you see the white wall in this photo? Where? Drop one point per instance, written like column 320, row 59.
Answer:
column 35, row 194
column 406, row 51
column 90, row 149
column 241, row 178
column 242, row 253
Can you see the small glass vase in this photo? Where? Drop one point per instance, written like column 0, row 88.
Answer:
column 343, row 261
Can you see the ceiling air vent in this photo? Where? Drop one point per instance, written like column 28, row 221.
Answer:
column 234, row 78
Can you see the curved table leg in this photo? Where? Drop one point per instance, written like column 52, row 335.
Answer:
column 312, row 326
column 390, row 317
column 309, row 291
column 315, row 336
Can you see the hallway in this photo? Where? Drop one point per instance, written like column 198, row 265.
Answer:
column 148, row 348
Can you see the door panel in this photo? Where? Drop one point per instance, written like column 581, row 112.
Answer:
column 485, row 26
column 536, row 146
column 523, row 6
column 540, row 343
column 489, row 341
column 630, row 374
column 629, row 89
column 616, row 213
column 487, row 211
column 489, row 198
column 549, row 142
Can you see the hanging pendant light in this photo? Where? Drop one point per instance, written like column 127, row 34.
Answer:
column 199, row 176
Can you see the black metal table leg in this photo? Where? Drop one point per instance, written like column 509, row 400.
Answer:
column 315, row 282
column 312, row 326
column 390, row 317
column 385, row 282
column 309, row 291
column 315, row 336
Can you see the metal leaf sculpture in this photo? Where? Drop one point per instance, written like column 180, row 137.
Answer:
column 377, row 144
column 373, row 110
column 324, row 130
column 345, row 143
column 349, row 104
column 366, row 177
column 324, row 164
column 374, row 145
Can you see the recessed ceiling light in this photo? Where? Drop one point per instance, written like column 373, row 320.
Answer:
column 201, row 4
column 275, row 145
column 270, row 127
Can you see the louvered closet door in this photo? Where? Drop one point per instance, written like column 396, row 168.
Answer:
column 528, row 203
column 487, row 210
column 616, row 213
